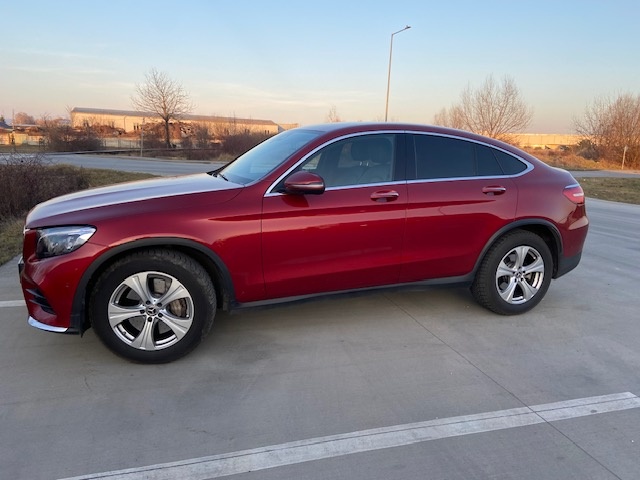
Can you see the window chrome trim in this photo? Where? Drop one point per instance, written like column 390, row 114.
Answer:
column 363, row 185
column 529, row 166
column 454, row 179
column 271, row 193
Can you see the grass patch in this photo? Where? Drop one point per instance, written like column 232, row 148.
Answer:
column 20, row 149
column 10, row 238
column 100, row 177
column 626, row 190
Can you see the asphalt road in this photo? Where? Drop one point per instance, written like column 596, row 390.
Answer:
column 167, row 167
column 378, row 385
column 135, row 164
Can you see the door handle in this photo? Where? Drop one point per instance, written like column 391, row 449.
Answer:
column 385, row 196
column 494, row 190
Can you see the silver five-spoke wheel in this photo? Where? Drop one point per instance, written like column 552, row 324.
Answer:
column 515, row 273
column 520, row 274
column 150, row 311
column 153, row 306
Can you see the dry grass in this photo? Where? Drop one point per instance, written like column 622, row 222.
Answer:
column 571, row 161
column 100, row 177
column 10, row 238
column 626, row 190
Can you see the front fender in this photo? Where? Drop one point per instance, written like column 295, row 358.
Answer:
column 210, row 260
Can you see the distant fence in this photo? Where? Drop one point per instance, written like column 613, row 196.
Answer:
column 120, row 143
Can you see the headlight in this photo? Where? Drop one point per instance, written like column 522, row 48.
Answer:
column 60, row 240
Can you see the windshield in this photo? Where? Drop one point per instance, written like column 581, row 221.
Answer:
column 263, row 158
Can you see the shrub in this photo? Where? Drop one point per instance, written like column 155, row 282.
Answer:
column 239, row 143
column 63, row 138
column 30, row 179
column 586, row 149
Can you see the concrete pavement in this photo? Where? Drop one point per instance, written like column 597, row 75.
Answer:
column 344, row 365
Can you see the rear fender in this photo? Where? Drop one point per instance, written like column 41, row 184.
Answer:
column 543, row 228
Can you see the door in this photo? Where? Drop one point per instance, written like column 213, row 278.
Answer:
column 459, row 197
column 346, row 238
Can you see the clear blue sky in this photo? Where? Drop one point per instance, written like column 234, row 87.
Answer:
column 291, row 61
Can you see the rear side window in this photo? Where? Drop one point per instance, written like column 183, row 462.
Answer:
column 487, row 162
column 510, row 165
column 443, row 157
column 446, row 157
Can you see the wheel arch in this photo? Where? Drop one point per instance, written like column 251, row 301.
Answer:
column 542, row 228
column 211, row 262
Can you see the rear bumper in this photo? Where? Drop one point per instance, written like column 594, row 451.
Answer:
column 566, row 264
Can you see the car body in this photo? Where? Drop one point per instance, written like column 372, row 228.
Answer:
column 314, row 210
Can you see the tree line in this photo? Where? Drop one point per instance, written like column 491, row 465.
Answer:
column 610, row 125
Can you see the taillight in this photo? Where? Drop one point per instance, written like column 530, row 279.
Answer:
column 574, row 193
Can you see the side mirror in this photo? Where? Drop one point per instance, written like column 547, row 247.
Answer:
column 304, row 183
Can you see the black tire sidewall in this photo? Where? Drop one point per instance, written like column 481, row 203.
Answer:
column 185, row 270
column 484, row 286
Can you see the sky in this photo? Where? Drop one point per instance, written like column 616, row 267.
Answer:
column 294, row 61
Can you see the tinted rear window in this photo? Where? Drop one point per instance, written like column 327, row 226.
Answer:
column 443, row 157
column 446, row 157
column 510, row 165
column 488, row 165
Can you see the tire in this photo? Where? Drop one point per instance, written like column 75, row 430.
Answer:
column 514, row 275
column 153, row 306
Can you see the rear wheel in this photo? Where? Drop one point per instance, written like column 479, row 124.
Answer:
column 153, row 306
column 514, row 275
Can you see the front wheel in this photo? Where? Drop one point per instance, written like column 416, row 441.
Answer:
column 153, row 306
column 514, row 275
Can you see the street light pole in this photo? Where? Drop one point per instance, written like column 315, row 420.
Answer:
column 386, row 108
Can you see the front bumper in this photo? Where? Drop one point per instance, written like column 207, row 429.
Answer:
column 49, row 328
column 39, row 325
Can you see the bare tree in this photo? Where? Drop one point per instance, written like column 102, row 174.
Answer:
column 164, row 97
column 60, row 136
column 612, row 125
column 451, row 117
column 225, row 128
column 332, row 116
column 496, row 109
column 22, row 118
column 202, row 135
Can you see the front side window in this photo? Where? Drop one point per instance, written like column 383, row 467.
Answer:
column 361, row 160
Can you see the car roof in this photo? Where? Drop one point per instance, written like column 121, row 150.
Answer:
column 345, row 128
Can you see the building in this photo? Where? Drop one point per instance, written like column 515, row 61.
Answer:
column 129, row 121
column 6, row 133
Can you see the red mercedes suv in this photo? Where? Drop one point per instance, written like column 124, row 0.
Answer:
column 313, row 210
